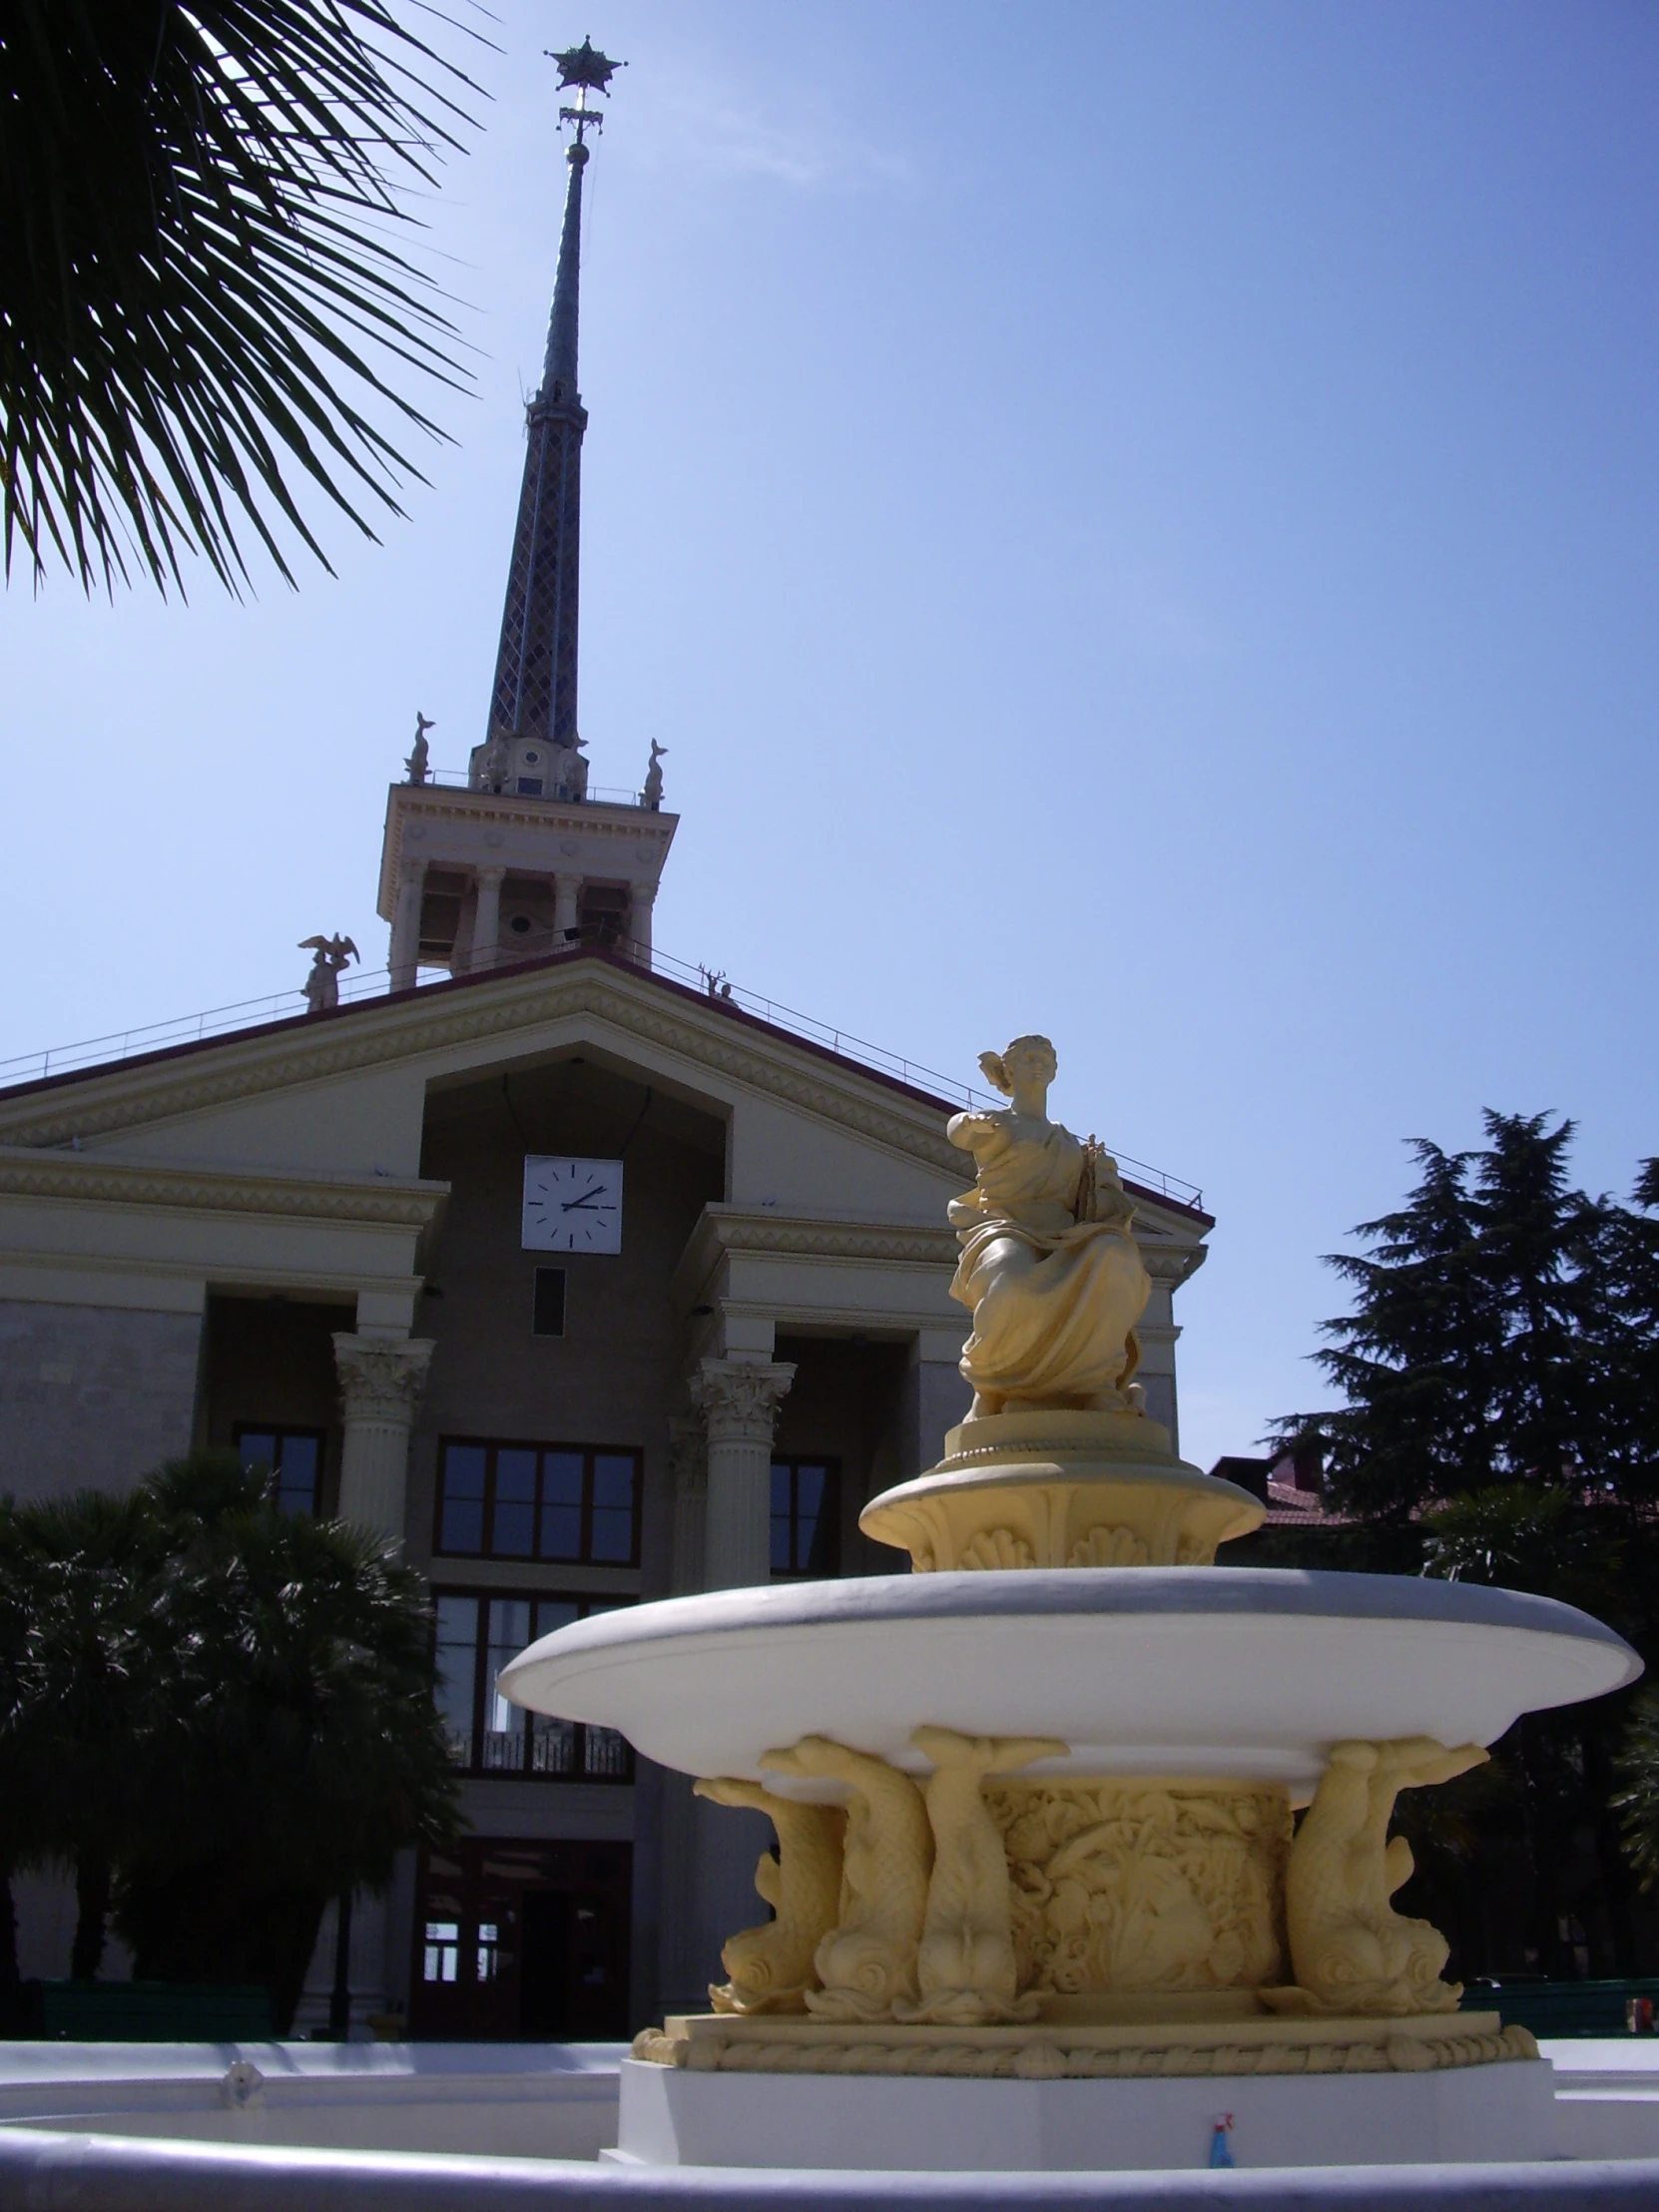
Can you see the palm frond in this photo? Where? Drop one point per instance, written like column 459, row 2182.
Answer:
column 202, row 295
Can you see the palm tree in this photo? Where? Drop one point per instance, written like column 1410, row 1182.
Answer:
column 200, row 281
column 297, row 1748
column 78, row 1634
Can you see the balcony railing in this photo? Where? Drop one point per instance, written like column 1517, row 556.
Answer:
column 358, row 984
column 604, row 795
column 551, row 1751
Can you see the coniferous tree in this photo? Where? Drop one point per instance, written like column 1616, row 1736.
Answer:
column 1499, row 1370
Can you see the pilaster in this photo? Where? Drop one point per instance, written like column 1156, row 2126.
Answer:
column 687, row 1459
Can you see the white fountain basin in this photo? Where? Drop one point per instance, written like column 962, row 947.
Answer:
column 1242, row 1673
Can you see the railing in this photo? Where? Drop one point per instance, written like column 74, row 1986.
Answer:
column 358, row 984
column 606, row 795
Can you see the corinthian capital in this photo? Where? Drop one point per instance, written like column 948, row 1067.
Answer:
column 738, row 1398
column 381, row 1377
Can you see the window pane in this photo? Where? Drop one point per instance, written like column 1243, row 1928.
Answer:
column 556, row 1612
column 613, row 1507
column 461, row 1518
column 442, row 1948
column 783, row 1551
column 504, row 1722
column 296, row 1474
column 258, row 1449
column 562, row 1477
column 809, row 1505
column 514, row 1527
column 489, row 1950
column 561, row 1506
column 457, row 1670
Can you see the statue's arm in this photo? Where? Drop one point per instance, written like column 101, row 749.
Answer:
column 971, row 1131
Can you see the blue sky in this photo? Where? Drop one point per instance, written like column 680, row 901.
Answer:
column 1133, row 521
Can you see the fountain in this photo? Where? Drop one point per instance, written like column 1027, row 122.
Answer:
column 1040, row 1899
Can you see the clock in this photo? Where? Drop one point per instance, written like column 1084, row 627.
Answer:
column 571, row 1205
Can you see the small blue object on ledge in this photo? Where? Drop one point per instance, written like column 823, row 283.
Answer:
column 1221, row 2144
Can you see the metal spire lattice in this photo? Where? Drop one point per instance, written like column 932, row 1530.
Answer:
column 535, row 668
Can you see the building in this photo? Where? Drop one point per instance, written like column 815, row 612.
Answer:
column 579, row 1281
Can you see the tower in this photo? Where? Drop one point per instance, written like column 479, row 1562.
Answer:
column 524, row 859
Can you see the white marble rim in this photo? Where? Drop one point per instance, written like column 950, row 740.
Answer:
column 1056, row 1592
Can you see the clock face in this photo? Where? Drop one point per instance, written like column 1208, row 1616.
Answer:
column 571, row 1205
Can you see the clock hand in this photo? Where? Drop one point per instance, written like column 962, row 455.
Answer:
column 570, row 1205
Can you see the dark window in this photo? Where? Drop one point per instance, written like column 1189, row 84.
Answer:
column 805, row 1515
column 294, row 1457
column 571, row 1503
column 476, row 1636
column 529, row 787
column 548, row 1312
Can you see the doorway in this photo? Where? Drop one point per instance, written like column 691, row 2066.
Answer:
column 522, row 1940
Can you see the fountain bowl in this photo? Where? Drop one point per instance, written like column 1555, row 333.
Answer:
column 1223, row 1673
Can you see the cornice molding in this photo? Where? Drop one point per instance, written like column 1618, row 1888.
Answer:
column 438, row 1017
column 725, row 1232
column 435, row 1018
column 593, row 820
column 89, row 1179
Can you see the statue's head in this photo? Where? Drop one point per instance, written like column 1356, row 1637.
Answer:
column 1033, row 1059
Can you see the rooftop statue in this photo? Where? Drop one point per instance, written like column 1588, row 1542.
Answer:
column 416, row 761
column 329, row 957
column 650, row 797
column 1049, row 1266
column 570, row 771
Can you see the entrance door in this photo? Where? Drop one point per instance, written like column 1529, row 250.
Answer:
column 522, row 1940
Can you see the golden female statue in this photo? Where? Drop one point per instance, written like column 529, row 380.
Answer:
column 1048, row 1264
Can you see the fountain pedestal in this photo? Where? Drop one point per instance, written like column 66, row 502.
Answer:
column 770, row 2094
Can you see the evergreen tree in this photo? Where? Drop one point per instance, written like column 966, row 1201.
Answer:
column 1498, row 1330
column 1500, row 1375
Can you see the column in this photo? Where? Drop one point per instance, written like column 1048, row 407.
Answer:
column 486, row 923
column 1157, row 1331
column 687, row 1459
column 405, row 924
column 567, row 908
column 936, row 1396
column 380, row 1380
column 739, row 1400
column 640, row 903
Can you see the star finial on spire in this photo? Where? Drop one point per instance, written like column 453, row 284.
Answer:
column 588, row 69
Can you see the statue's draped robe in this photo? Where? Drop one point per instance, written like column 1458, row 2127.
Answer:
column 1063, row 1327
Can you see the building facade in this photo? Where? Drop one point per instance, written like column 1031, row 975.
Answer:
column 579, row 1284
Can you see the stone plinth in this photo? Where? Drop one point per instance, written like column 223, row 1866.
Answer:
column 1069, row 2099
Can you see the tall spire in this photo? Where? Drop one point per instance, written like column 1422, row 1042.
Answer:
column 535, row 666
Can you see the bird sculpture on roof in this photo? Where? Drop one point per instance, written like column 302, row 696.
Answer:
column 329, row 957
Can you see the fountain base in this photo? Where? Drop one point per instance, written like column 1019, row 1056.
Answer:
column 718, row 2091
